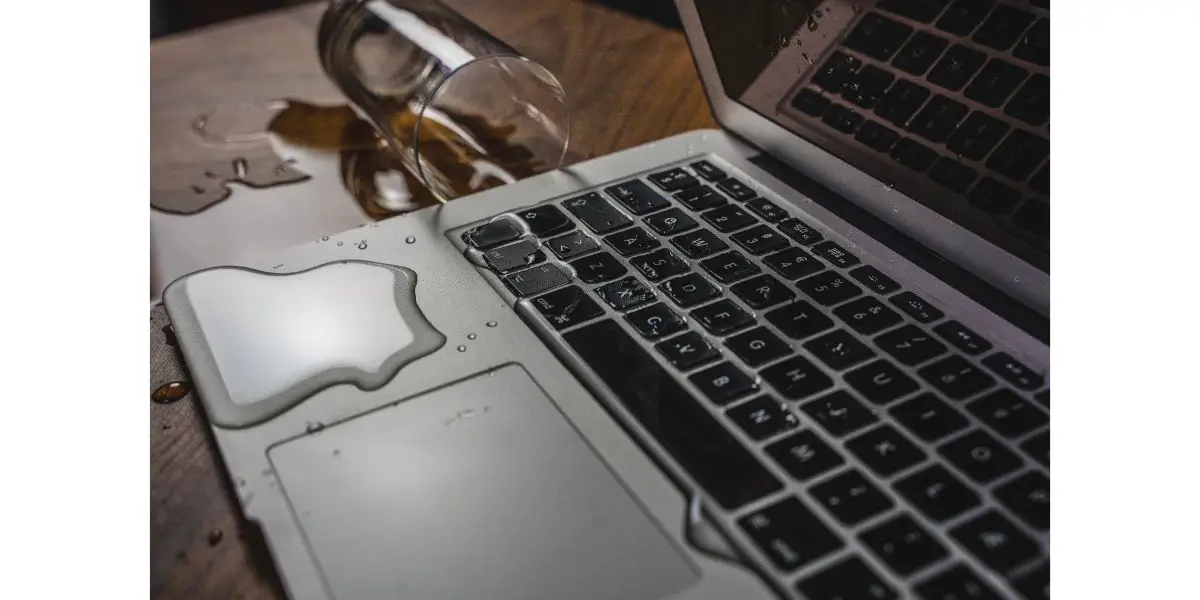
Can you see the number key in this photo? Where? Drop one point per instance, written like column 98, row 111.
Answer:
column 1013, row 371
column 835, row 254
column 916, row 308
column 910, row 345
column 793, row 263
column 728, row 218
column 766, row 210
column 867, row 315
column 964, row 339
column 829, row 288
column 800, row 231
column 956, row 377
column 736, row 189
column 759, row 240
column 872, row 278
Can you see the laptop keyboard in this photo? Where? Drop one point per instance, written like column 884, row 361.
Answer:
column 869, row 445
column 958, row 90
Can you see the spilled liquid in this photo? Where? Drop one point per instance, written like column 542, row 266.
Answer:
column 170, row 392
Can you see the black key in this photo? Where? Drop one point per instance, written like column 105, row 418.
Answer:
column 597, row 213
column 762, row 417
column 913, row 155
column 637, row 197
column 919, row 53
column 1034, row 217
column 885, row 450
column 492, row 234
column 689, row 290
column 571, row 245
column 722, row 316
column 964, row 16
column 793, row 263
column 842, row 119
column 903, row 545
column 687, row 350
column 673, row 179
column 828, row 288
column 866, row 86
column 918, row 309
column 1028, row 497
column 994, row 540
column 1007, row 413
column 993, row 196
column 929, row 417
column 910, row 345
column 1019, row 155
column 977, row 136
column 839, row 350
column 901, row 102
column 545, row 220
column 938, row 119
column 729, row 218
column 729, row 267
column 952, row 174
column 1041, row 181
column 956, row 67
column 513, row 256
column 597, row 268
column 1035, row 585
column 877, row 36
column 736, row 189
column 956, row 377
column 924, row 11
column 632, row 241
column 670, row 222
column 789, row 534
column 937, row 493
column 956, row 583
column 850, row 497
column 701, row 445
column 659, row 265
column 700, row 198
column 796, row 378
column 655, row 321
column 625, row 294
column 1013, row 371
column 881, row 382
column 834, row 73
column 1003, row 27
column 839, row 413
column 850, row 579
column 567, row 306
column 1041, row 3
column 980, row 456
column 995, row 83
column 759, row 239
column 1034, row 46
column 1038, row 447
column 1043, row 397
column 876, row 136
column 763, row 291
column 800, row 231
column 835, row 254
column 804, row 455
column 531, row 282
column 707, row 170
column 699, row 243
column 766, row 210
column 723, row 383
column 799, row 320
column 758, row 346
column 873, row 279
column 867, row 315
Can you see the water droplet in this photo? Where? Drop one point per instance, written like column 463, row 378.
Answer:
column 471, row 336
column 1016, row 279
column 462, row 348
column 281, row 171
column 169, row 334
column 324, row 238
column 492, row 323
column 170, row 392
column 410, row 240
column 889, row 186
column 362, row 245
column 337, row 452
column 314, row 427
column 166, row 426
column 215, row 536
column 211, row 175
column 197, row 189
column 241, row 482
column 339, row 243
column 240, row 167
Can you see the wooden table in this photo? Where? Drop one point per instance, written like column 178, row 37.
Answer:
column 629, row 81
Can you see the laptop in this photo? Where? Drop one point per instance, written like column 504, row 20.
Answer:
column 804, row 356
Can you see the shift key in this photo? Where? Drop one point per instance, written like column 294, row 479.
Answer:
column 597, row 213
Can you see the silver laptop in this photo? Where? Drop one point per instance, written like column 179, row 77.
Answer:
column 805, row 356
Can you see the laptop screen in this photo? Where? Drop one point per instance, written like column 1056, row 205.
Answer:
column 946, row 100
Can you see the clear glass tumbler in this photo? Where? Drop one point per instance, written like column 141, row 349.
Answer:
column 463, row 110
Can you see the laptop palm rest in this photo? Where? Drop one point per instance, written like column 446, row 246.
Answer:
column 479, row 489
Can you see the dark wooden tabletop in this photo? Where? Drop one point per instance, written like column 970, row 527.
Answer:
column 629, row 81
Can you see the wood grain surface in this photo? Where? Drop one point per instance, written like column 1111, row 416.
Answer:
column 629, row 82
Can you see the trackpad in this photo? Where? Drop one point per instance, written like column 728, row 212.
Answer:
column 481, row 489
